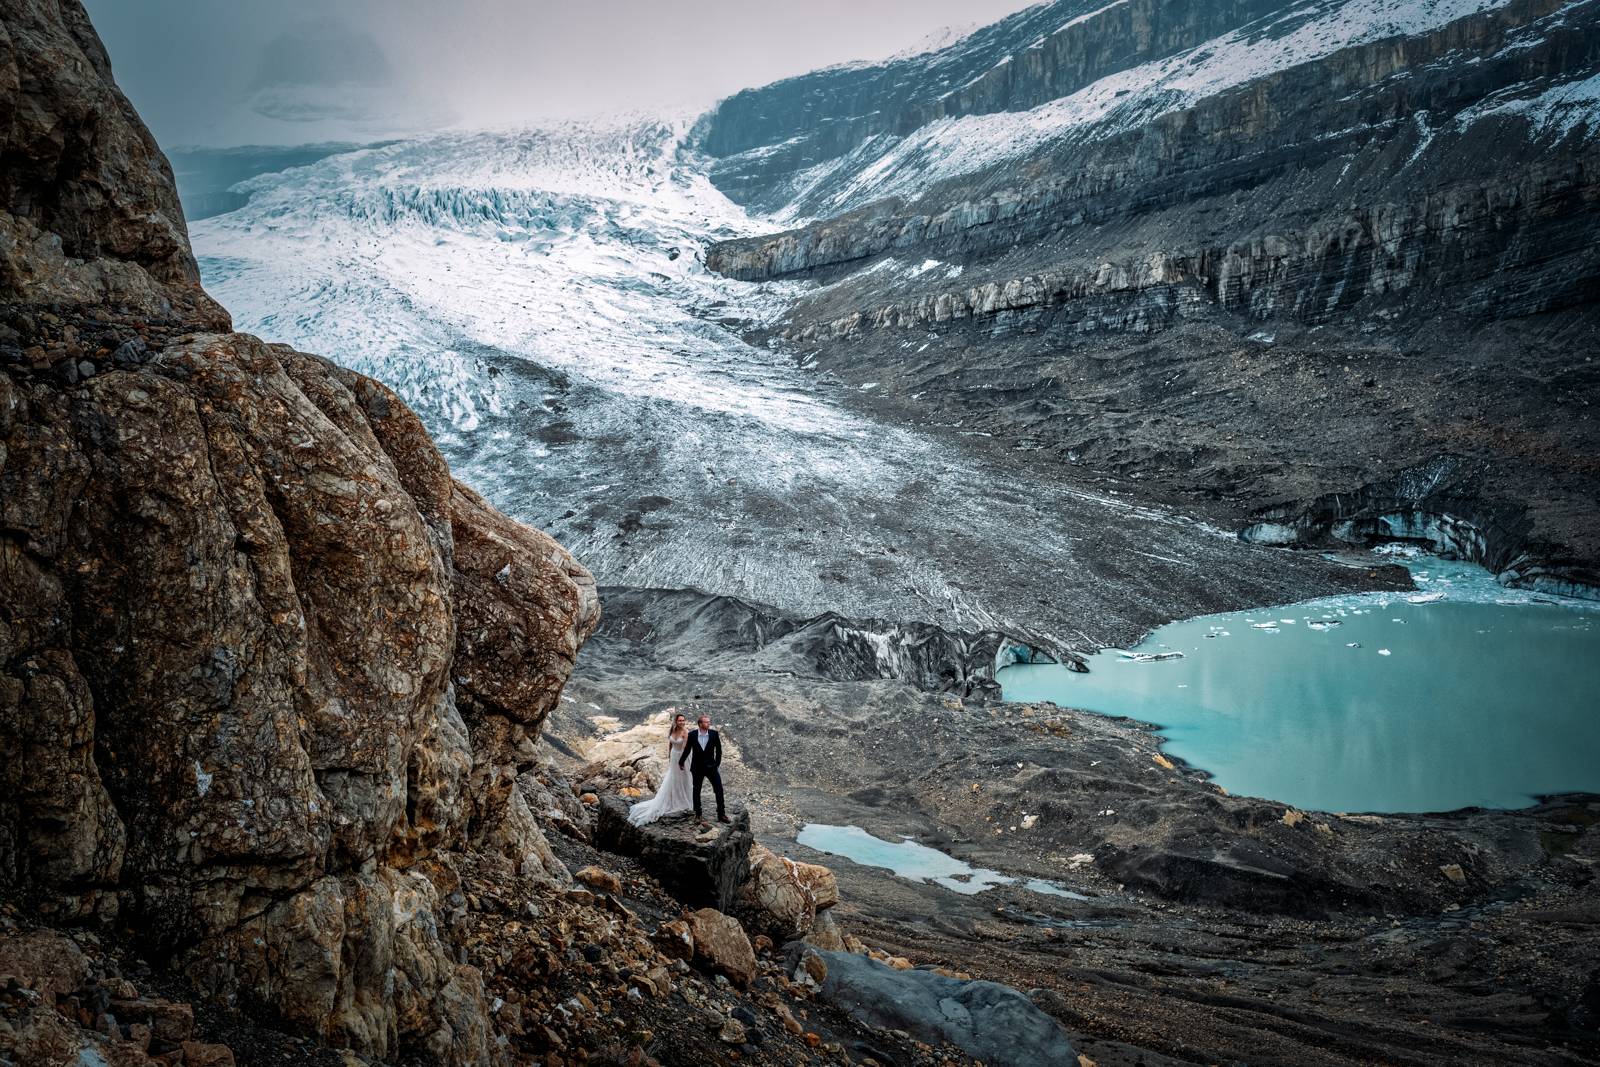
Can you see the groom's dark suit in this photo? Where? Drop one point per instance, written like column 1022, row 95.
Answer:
column 703, row 764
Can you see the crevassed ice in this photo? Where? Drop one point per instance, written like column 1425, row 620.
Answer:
column 574, row 246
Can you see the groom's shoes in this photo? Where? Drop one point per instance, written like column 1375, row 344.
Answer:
column 724, row 818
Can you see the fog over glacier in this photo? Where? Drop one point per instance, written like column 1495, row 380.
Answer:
column 299, row 71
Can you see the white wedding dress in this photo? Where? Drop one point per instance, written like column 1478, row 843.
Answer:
column 676, row 793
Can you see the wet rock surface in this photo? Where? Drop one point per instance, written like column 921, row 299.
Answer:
column 992, row 1023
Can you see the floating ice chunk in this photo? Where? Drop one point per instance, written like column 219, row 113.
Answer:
column 1425, row 598
column 1353, row 644
column 1324, row 624
column 1264, row 625
column 1288, row 621
column 1148, row 657
column 1384, row 652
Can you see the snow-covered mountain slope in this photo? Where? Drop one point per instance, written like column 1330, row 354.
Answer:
column 1065, row 74
column 890, row 165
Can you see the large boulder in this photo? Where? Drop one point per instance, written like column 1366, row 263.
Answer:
column 702, row 868
column 783, row 898
column 722, row 946
column 990, row 1022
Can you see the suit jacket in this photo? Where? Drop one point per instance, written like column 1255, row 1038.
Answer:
column 708, row 758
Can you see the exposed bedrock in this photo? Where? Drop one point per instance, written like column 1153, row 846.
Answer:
column 88, row 212
column 237, row 649
column 266, row 672
column 1273, row 199
column 1280, row 297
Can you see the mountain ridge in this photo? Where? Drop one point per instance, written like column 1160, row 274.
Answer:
column 1441, row 199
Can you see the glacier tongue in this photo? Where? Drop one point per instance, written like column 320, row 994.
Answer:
column 575, row 247
column 539, row 296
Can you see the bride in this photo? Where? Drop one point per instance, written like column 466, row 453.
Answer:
column 675, row 794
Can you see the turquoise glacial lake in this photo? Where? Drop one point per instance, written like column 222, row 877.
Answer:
column 1460, row 694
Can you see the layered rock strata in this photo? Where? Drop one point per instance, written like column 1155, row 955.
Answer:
column 1077, row 230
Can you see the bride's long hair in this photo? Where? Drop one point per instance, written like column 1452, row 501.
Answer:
column 672, row 728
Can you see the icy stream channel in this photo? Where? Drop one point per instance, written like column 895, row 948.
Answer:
column 1460, row 694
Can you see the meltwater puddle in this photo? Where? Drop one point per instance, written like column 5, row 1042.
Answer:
column 917, row 862
column 1462, row 693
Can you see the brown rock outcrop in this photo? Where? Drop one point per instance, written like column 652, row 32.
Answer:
column 266, row 671
column 59, row 1007
column 232, row 623
column 89, row 214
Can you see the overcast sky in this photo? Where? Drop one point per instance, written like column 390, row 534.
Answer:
column 223, row 72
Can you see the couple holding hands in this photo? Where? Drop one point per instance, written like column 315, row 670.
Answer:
column 693, row 758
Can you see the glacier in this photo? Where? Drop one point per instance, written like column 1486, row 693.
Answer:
column 539, row 296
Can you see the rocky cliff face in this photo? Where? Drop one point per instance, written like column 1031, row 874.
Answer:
column 88, row 213
column 265, row 669
column 1053, row 200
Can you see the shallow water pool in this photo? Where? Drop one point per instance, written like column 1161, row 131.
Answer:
column 916, row 862
column 1462, row 693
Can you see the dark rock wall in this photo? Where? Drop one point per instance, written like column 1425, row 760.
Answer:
column 1301, row 194
column 88, row 211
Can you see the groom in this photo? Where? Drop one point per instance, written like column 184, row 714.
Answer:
column 704, row 753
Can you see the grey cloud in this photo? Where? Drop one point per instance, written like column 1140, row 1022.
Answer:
column 210, row 71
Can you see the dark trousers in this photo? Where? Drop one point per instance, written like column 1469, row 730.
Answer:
column 701, row 775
